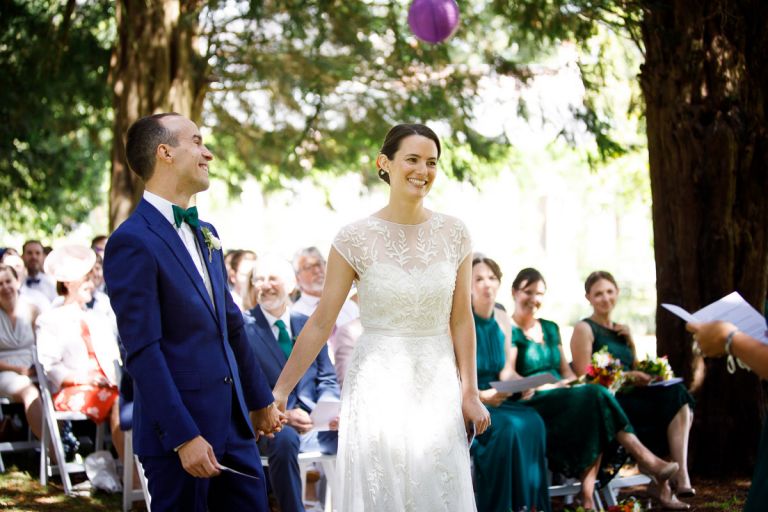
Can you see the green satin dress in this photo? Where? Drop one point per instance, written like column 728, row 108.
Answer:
column 650, row 409
column 582, row 420
column 510, row 457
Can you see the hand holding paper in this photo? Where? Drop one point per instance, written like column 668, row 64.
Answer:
column 731, row 308
column 325, row 412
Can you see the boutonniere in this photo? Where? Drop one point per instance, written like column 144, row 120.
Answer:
column 213, row 243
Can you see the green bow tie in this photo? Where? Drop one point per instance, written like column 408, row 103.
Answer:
column 189, row 216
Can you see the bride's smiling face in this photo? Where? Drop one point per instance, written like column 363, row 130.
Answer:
column 413, row 167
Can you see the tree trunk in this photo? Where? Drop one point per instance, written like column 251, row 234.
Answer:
column 705, row 81
column 155, row 68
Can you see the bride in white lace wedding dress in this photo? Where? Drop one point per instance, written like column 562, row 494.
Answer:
column 411, row 386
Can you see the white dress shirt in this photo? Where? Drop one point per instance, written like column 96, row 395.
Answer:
column 307, row 304
column 285, row 317
column 45, row 284
column 186, row 234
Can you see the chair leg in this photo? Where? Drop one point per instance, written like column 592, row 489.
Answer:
column 127, row 471
column 329, row 468
column 144, row 487
column 44, row 453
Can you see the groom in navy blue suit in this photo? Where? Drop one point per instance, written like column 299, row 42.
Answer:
column 199, row 393
column 271, row 328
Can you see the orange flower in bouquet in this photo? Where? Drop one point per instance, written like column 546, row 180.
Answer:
column 606, row 370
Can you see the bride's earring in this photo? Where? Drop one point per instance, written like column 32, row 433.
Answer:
column 383, row 174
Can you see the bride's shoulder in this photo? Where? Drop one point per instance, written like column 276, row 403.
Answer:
column 451, row 222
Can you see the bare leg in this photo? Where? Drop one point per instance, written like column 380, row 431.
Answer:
column 117, row 434
column 588, row 479
column 33, row 409
column 677, row 436
column 658, row 468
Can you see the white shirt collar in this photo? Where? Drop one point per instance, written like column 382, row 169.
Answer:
column 164, row 206
column 309, row 299
column 285, row 317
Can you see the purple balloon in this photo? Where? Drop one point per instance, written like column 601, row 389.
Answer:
column 433, row 21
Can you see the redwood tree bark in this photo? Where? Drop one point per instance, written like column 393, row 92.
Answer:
column 705, row 83
column 155, row 68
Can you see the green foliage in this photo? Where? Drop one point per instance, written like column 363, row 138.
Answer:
column 54, row 138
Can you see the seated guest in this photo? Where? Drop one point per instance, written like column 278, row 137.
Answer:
column 17, row 341
column 309, row 266
column 510, row 457
column 33, row 254
column 241, row 262
column 77, row 346
column 271, row 328
column 35, row 297
column 582, row 421
column 662, row 415
column 98, row 244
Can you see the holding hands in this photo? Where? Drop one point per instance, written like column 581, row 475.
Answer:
column 268, row 420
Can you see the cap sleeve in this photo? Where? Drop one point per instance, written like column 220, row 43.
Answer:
column 350, row 243
column 462, row 241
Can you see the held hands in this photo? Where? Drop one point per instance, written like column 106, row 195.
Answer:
column 475, row 412
column 267, row 420
column 711, row 336
column 198, row 459
column 638, row 378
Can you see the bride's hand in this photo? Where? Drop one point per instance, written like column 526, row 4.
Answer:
column 475, row 412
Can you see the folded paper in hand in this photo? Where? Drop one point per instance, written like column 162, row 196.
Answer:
column 731, row 308
column 519, row 385
column 225, row 468
column 324, row 412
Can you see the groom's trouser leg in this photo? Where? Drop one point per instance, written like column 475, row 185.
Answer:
column 172, row 489
column 284, row 474
column 230, row 492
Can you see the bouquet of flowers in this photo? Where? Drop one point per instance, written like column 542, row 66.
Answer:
column 656, row 367
column 606, row 370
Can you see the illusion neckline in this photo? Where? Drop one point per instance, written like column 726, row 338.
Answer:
column 429, row 219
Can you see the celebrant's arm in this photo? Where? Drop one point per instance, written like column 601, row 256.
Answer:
column 316, row 331
column 712, row 338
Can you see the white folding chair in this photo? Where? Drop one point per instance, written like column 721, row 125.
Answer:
column 15, row 446
column 130, row 462
column 611, row 491
column 326, row 461
column 51, row 437
column 569, row 489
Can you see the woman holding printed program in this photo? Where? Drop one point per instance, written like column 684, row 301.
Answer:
column 717, row 339
column 410, row 396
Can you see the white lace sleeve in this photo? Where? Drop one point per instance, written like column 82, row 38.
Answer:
column 458, row 242
column 350, row 242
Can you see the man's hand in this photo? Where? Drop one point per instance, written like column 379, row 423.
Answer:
column 299, row 419
column 267, row 421
column 198, row 459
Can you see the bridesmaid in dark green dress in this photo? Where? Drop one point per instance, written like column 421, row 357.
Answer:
column 510, row 457
column 582, row 420
column 662, row 415
column 717, row 339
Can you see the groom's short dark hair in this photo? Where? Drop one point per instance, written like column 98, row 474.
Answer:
column 142, row 140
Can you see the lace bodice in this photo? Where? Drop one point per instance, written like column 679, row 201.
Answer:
column 406, row 274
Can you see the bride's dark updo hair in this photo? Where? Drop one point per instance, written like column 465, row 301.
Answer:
column 396, row 134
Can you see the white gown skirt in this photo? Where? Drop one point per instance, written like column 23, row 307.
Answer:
column 402, row 441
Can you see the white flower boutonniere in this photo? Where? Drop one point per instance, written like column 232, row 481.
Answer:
column 213, row 243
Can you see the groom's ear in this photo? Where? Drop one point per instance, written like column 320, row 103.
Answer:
column 164, row 153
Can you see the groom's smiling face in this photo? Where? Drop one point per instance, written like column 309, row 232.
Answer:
column 190, row 156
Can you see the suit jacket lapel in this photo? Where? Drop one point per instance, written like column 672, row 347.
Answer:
column 210, row 260
column 163, row 229
column 267, row 337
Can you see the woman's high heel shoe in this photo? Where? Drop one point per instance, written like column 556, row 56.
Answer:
column 663, row 474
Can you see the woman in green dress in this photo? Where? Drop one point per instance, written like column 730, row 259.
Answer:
column 510, row 457
column 582, row 421
column 716, row 339
column 662, row 415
